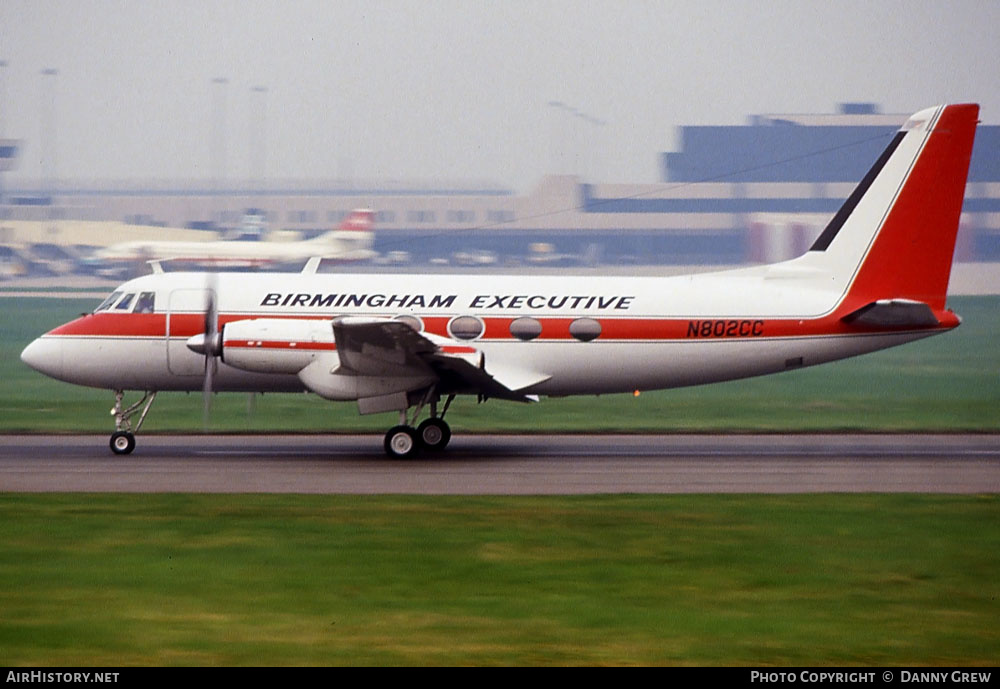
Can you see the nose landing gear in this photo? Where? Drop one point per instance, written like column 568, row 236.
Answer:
column 123, row 439
column 122, row 442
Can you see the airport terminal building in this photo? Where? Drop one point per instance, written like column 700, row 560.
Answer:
column 757, row 192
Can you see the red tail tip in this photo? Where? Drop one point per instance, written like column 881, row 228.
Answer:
column 361, row 220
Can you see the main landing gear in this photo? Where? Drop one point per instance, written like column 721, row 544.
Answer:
column 123, row 439
column 404, row 441
column 401, row 442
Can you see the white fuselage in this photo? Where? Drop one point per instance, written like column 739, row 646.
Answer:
column 583, row 335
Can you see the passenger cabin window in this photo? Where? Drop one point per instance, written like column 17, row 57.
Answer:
column 465, row 327
column 585, row 329
column 106, row 304
column 525, row 328
column 412, row 321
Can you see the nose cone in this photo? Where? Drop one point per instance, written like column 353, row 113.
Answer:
column 45, row 355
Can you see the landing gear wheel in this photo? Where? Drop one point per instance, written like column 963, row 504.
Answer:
column 122, row 442
column 401, row 442
column 434, row 434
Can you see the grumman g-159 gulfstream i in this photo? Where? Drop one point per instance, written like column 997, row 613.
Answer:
column 876, row 277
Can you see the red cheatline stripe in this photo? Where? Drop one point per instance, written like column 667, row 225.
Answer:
column 278, row 344
column 447, row 349
column 498, row 329
column 119, row 325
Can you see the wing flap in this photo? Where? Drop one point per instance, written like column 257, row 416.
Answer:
column 392, row 348
column 489, row 380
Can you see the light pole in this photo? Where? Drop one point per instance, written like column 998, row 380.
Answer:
column 593, row 143
column 556, row 137
column 3, row 97
column 568, row 132
column 218, row 142
column 258, row 139
column 4, row 162
column 48, row 133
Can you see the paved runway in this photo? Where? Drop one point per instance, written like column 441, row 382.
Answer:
column 509, row 464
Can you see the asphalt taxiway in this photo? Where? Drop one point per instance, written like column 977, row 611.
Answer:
column 507, row 464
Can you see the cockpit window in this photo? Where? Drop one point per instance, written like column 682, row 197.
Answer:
column 125, row 303
column 145, row 302
column 106, row 304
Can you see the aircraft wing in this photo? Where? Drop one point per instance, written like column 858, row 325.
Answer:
column 387, row 347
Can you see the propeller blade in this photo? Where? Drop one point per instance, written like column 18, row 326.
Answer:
column 210, row 344
column 208, row 388
column 211, row 323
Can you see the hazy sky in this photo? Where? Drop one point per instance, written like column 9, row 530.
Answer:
column 446, row 90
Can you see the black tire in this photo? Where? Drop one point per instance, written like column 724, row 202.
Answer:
column 434, row 434
column 122, row 442
column 401, row 442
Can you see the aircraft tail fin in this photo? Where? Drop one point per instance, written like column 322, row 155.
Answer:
column 359, row 220
column 894, row 237
column 354, row 237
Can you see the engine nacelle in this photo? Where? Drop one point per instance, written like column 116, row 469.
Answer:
column 325, row 378
column 276, row 345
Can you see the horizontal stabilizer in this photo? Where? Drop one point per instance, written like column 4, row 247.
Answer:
column 894, row 313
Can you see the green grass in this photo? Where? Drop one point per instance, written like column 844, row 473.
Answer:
column 702, row 580
column 945, row 383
